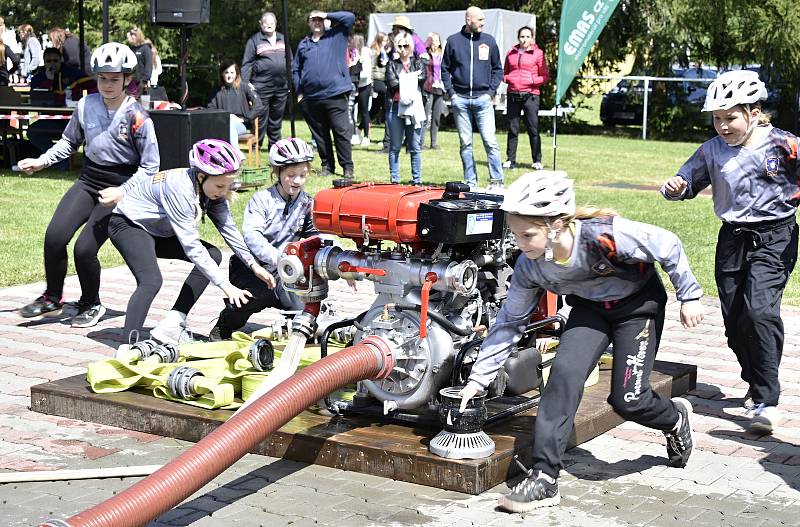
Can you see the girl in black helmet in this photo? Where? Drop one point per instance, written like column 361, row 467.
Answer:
column 120, row 148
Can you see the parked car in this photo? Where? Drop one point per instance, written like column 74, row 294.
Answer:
column 624, row 103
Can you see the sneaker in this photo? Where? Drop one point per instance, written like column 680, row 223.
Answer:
column 533, row 492
column 496, row 187
column 365, row 142
column 218, row 334
column 765, row 419
column 509, row 164
column 355, row 140
column 537, row 166
column 747, row 401
column 326, row 172
column 42, row 307
column 680, row 439
column 172, row 329
column 348, row 173
column 88, row 315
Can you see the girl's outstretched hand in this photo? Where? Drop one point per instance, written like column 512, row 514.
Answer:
column 466, row 393
column 691, row 313
column 675, row 186
column 237, row 297
column 264, row 275
column 30, row 165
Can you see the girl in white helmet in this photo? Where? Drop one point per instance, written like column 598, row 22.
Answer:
column 120, row 149
column 604, row 264
column 753, row 172
column 274, row 217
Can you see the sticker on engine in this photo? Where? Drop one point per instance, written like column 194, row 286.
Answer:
column 480, row 223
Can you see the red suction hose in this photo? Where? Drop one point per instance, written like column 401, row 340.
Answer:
column 170, row 485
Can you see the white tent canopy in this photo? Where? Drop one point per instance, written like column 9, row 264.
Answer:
column 502, row 24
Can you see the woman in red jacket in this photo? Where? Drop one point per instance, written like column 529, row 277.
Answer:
column 525, row 71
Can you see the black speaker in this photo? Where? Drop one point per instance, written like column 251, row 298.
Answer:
column 176, row 13
column 178, row 130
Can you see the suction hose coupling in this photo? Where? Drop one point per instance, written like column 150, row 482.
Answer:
column 383, row 351
column 305, row 323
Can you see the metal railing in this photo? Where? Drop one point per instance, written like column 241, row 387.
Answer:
column 646, row 80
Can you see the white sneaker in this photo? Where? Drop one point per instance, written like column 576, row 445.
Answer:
column 365, row 142
column 172, row 329
column 355, row 140
column 509, row 165
column 766, row 419
column 537, row 166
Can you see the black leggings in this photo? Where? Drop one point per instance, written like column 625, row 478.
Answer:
column 78, row 206
column 364, row 96
column 634, row 325
column 141, row 251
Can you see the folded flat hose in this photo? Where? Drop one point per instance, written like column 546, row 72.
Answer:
column 170, row 485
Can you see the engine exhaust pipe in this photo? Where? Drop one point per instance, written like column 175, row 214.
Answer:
column 146, row 500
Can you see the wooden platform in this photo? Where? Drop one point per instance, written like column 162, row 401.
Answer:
column 355, row 443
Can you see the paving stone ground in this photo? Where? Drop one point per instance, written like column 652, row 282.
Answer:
column 618, row 479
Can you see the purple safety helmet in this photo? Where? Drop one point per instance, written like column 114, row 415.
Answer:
column 215, row 157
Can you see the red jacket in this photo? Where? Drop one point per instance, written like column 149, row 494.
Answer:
column 526, row 71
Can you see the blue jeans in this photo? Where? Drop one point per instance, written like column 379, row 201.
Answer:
column 482, row 110
column 401, row 133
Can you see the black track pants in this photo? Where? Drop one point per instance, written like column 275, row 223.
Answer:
column 634, row 326
column 753, row 264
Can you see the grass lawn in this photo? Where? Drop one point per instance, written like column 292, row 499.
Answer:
column 609, row 171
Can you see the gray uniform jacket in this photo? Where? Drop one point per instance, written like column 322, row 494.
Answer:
column 168, row 205
column 123, row 137
column 588, row 275
column 749, row 185
column 270, row 222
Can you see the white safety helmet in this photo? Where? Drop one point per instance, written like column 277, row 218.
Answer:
column 544, row 193
column 290, row 151
column 733, row 88
column 113, row 58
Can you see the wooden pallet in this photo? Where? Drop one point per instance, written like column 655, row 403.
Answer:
column 357, row 443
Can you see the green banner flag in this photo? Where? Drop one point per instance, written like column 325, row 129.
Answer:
column 581, row 24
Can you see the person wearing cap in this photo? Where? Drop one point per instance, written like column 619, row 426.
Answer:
column 471, row 73
column 120, row 147
column 402, row 23
column 605, row 265
column 264, row 66
column 322, row 83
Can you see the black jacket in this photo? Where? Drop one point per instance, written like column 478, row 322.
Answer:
column 144, row 57
column 72, row 56
column 395, row 67
column 4, row 73
column 263, row 65
column 475, row 53
column 242, row 101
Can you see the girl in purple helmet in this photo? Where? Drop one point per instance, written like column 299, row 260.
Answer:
column 158, row 219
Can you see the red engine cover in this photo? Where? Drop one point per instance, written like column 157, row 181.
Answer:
column 389, row 212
